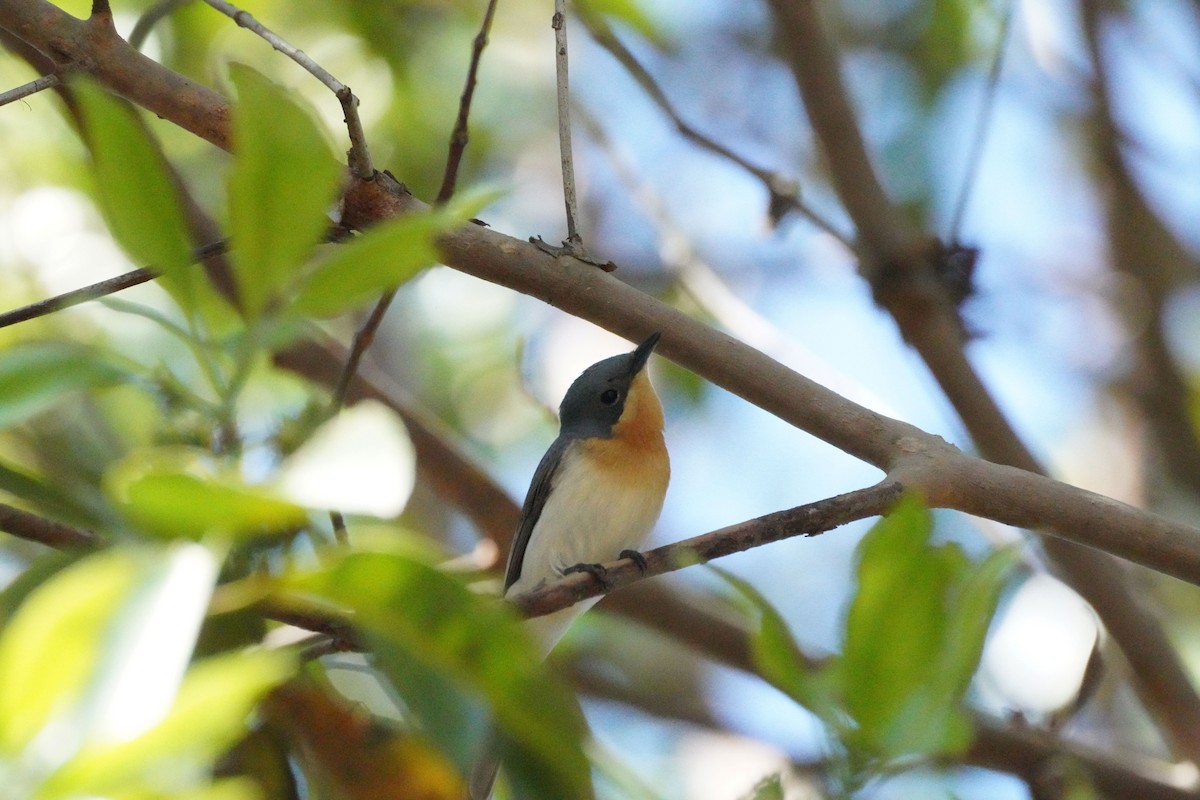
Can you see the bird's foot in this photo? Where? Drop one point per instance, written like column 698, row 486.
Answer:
column 597, row 571
column 636, row 558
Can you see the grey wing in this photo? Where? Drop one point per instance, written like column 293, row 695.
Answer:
column 535, row 501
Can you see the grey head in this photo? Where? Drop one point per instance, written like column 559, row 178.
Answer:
column 595, row 401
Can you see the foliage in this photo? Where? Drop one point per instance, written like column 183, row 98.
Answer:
column 156, row 668
column 911, row 642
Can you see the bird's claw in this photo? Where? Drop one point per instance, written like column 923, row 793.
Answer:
column 636, row 558
column 597, row 571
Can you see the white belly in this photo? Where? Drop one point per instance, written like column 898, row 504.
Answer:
column 584, row 521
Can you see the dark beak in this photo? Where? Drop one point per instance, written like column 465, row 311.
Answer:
column 642, row 354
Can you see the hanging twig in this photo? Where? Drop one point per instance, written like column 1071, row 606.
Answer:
column 574, row 241
column 459, row 137
column 358, row 157
column 982, row 125
column 365, row 335
column 152, row 16
column 783, row 192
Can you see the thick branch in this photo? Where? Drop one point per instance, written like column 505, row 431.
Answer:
column 98, row 50
column 905, row 284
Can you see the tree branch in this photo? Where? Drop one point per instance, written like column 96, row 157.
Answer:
column 34, row 528
column 359, row 156
column 810, row 519
column 904, row 282
column 933, row 467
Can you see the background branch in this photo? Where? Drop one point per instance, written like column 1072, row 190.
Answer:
column 899, row 268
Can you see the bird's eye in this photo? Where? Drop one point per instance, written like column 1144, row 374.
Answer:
column 609, row 397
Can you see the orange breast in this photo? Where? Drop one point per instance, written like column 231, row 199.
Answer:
column 636, row 451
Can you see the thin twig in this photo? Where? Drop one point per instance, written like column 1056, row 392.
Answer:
column 100, row 289
column 459, row 137
column 359, row 156
column 34, row 528
column 783, row 192
column 33, row 87
column 152, row 16
column 809, row 519
column 574, row 241
column 982, row 124
column 362, row 340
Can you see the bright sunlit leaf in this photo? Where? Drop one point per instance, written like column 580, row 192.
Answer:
column 36, row 375
column 210, row 713
column 177, row 493
column 137, row 679
column 283, row 183
column 53, row 643
column 135, row 188
column 361, row 461
column 431, row 634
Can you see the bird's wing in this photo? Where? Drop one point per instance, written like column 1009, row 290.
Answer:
column 535, row 501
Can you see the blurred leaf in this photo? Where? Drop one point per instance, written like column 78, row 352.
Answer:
column 428, row 629
column 63, row 504
column 176, row 492
column 263, row 756
column 769, row 788
column 629, row 12
column 209, row 715
column 919, row 617
column 51, row 646
column 360, row 760
column 361, row 461
column 36, row 375
column 384, row 257
column 777, row 657
column 283, row 183
column 136, row 189
column 945, row 46
column 226, row 789
column 30, row 578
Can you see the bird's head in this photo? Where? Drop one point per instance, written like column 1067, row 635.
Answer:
column 612, row 396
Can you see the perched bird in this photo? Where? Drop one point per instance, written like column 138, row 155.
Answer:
column 595, row 495
column 599, row 489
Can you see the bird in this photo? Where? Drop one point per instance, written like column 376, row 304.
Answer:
column 594, row 497
column 598, row 490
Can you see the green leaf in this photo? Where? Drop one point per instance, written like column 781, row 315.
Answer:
column 919, row 618
column 629, row 12
column 209, row 715
column 381, row 259
column 62, row 504
column 428, row 629
column 283, row 183
column 769, row 788
column 36, row 375
column 177, row 492
column 135, row 188
column 777, row 657
column 384, row 257
column 52, row 644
